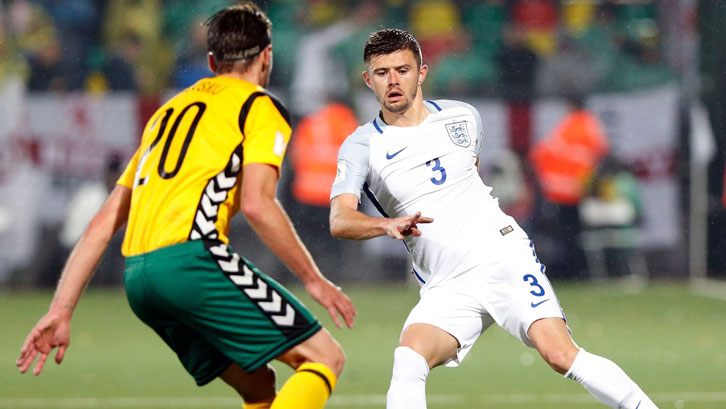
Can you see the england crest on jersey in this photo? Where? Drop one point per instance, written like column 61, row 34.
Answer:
column 459, row 133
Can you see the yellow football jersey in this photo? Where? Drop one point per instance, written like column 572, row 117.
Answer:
column 185, row 174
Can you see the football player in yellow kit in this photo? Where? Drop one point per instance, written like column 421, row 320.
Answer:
column 212, row 150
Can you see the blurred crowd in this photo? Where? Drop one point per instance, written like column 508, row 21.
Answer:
column 513, row 50
column 516, row 48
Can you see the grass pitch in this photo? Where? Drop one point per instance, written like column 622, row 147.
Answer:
column 668, row 340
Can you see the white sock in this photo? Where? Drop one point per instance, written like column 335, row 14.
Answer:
column 408, row 383
column 607, row 382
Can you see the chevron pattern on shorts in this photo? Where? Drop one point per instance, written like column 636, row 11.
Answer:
column 214, row 194
column 263, row 295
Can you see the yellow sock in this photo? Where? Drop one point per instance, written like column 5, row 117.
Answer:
column 308, row 388
column 258, row 405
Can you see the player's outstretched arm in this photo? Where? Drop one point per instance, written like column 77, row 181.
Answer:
column 269, row 220
column 346, row 222
column 53, row 329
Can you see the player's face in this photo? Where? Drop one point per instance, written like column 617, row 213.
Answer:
column 394, row 79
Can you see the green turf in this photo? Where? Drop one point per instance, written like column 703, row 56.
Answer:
column 666, row 339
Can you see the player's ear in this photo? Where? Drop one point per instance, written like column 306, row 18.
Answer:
column 267, row 53
column 211, row 63
column 266, row 56
column 422, row 73
column 367, row 78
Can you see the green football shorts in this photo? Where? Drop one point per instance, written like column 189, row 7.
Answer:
column 213, row 307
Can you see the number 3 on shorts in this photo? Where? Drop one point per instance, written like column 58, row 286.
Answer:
column 540, row 291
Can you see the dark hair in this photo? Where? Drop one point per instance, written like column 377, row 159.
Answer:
column 236, row 34
column 389, row 41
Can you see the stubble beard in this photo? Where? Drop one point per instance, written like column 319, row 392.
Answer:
column 400, row 106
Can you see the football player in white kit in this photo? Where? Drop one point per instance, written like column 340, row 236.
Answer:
column 417, row 162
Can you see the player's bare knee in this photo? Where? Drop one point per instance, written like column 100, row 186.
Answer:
column 434, row 344
column 331, row 355
column 335, row 358
column 324, row 349
column 560, row 360
column 320, row 348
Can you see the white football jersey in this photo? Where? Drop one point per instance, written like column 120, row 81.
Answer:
column 430, row 168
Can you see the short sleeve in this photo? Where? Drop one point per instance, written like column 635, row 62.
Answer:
column 127, row 178
column 266, row 129
column 353, row 162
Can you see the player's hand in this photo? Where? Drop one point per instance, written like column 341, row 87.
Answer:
column 50, row 332
column 401, row 227
column 334, row 300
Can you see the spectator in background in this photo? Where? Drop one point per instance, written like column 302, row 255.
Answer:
column 46, row 68
column 318, row 75
column 640, row 62
column 141, row 17
column 141, row 20
column 615, row 184
column 598, row 36
column 569, row 71
column 187, row 34
column 30, row 25
column 610, row 214
column 314, row 157
column 77, row 24
column 517, row 65
column 564, row 162
column 517, row 70
column 180, row 15
column 37, row 40
column 122, row 62
column 191, row 65
column 314, row 152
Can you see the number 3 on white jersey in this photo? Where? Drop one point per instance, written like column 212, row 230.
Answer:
column 435, row 165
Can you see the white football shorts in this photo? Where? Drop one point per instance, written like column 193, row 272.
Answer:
column 513, row 292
